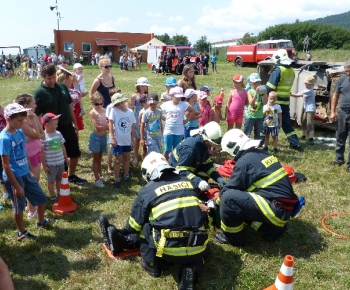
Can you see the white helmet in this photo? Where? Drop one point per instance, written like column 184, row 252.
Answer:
column 235, row 141
column 153, row 166
column 281, row 57
column 210, row 132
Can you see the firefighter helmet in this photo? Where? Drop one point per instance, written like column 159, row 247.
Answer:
column 281, row 57
column 210, row 132
column 153, row 166
column 235, row 141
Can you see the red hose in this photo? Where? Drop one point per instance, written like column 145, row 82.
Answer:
column 330, row 231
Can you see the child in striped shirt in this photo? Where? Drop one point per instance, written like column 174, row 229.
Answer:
column 53, row 154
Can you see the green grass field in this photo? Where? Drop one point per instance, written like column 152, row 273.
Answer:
column 70, row 254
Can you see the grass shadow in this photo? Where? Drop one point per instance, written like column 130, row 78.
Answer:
column 301, row 240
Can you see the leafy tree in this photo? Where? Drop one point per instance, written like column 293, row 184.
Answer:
column 180, row 39
column 52, row 47
column 321, row 36
column 248, row 38
column 202, row 44
column 164, row 38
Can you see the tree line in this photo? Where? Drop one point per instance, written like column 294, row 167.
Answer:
column 321, row 36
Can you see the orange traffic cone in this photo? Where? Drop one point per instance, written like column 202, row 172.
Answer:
column 284, row 280
column 65, row 204
column 222, row 94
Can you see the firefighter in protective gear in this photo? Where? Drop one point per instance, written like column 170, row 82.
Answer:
column 258, row 193
column 281, row 81
column 191, row 157
column 167, row 216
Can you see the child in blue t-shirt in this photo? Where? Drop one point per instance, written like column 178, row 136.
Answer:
column 19, row 181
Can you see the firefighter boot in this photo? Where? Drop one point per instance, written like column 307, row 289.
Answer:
column 237, row 239
column 153, row 269
column 187, row 278
column 271, row 233
column 104, row 224
column 115, row 239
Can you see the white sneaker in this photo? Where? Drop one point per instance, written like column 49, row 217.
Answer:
column 103, row 178
column 99, row 183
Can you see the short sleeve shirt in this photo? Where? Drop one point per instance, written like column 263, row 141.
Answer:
column 13, row 145
column 153, row 120
column 343, row 89
column 271, row 115
column 122, row 125
column 174, row 117
column 309, row 100
column 52, row 144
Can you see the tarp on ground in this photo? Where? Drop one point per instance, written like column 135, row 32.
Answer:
column 154, row 42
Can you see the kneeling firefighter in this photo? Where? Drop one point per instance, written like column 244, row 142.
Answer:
column 258, row 193
column 191, row 157
column 167, row 215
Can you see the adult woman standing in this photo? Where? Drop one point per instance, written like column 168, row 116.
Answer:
column 187, row 81
column 104, row 81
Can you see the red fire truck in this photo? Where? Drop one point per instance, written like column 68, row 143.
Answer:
column 253, row 53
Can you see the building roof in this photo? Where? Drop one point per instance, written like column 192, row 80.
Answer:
column 107, row 42
column 224, row 41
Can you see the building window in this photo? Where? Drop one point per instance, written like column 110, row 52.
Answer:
column 123, row 48
column 86, row 47
column 137, row 45
column 69, row 46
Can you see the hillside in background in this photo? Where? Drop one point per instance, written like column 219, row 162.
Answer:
column 342, row 20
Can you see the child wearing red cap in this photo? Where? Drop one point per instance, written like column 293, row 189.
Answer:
column 235, row 104
column 53, row 154
column 217, row 114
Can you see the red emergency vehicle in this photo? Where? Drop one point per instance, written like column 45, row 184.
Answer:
column 253, row 53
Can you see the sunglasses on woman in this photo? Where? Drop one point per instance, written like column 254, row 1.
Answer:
column 107, row 66
column 98, row 104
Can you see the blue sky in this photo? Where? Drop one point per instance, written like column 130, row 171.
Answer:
column 28, row 23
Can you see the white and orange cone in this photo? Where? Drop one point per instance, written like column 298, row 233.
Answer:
column 222, row 94
column 284, row 280
column 64, row 204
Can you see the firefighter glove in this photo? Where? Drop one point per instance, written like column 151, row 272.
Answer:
column 203, row 185
column 221, row 181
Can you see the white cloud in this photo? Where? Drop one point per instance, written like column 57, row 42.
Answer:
column 115, row 25
column 234, row 21
column 154, row 14
column 178, row 18
column 161, row 30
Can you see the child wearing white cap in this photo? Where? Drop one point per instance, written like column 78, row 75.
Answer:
column 78, row 71
column 141, row 85
column 174, row 112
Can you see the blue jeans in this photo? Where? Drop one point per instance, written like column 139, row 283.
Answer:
column 288, row 128
column 257, row 123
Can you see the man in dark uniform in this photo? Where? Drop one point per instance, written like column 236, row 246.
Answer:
column 258, row 193
column 342, row 93
column 205, row 59
column 168, row 216
column 281, row 81
column 191, row 157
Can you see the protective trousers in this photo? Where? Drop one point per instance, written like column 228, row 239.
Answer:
column 239, row 207
column 149, row 250
column 288, row 128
